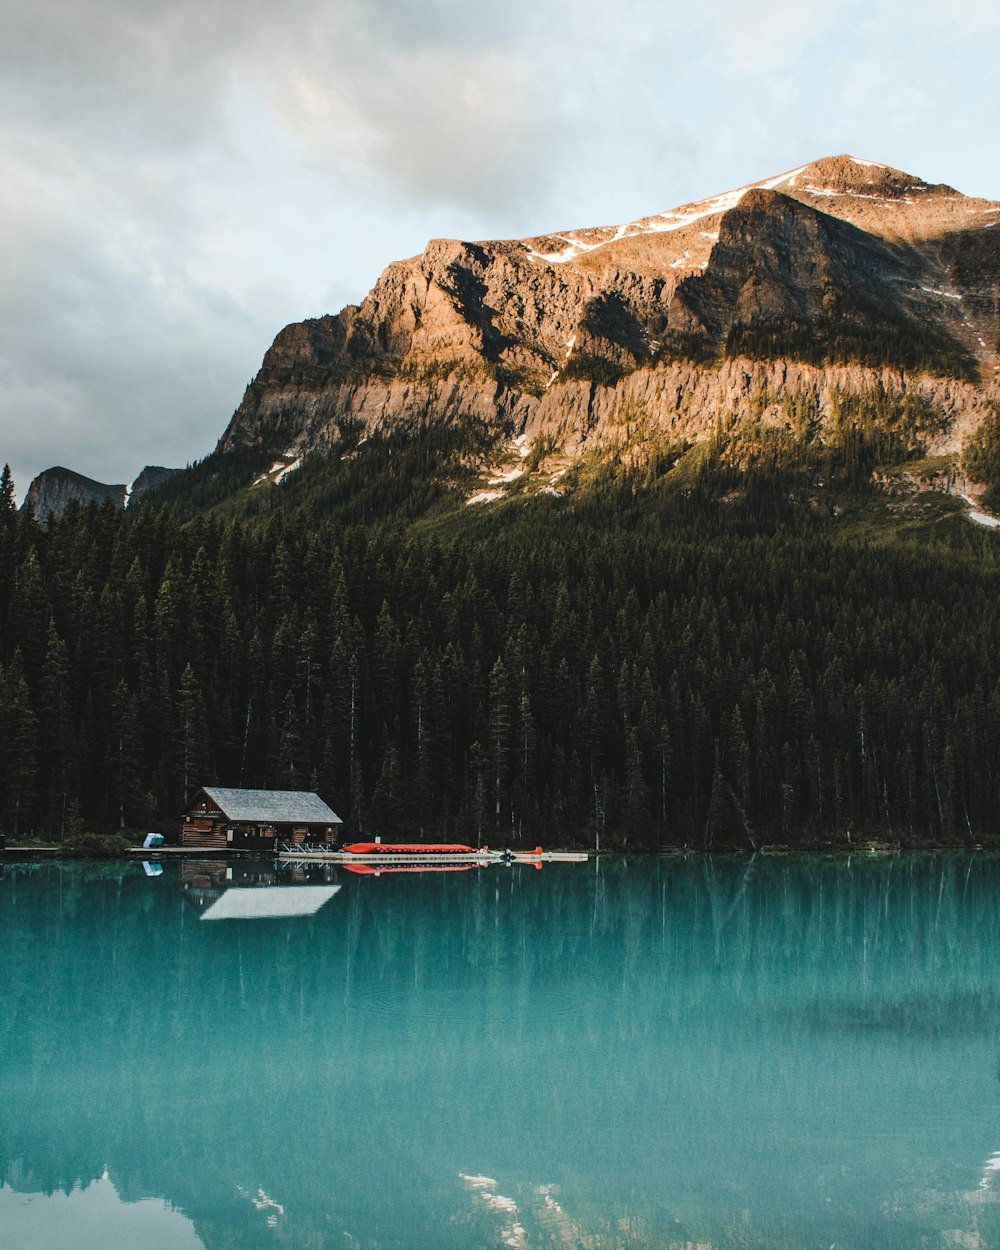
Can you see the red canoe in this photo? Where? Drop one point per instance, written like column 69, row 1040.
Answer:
column 413, row 848
column 378, row 870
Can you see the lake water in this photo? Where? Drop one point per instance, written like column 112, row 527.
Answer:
column 642, row 1053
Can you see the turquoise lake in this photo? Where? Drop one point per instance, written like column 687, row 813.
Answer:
column 660, row 1052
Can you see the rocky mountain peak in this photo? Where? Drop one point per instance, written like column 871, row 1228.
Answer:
column 850, row 175
column 52, row 491
column 839, row 269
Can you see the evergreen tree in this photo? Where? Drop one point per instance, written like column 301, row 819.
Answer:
column 499, row 739
column 192, row 736
column 18, row 749
column 56, row 729
column 8, row 508
column 124, row 766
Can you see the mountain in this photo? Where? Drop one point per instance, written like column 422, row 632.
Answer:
column 51, row 492
column 842, row 278
column 746, row 621
column 152, row 477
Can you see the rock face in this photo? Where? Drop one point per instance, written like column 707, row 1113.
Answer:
column 152, row 476
column 841, row 276
column 52, row 491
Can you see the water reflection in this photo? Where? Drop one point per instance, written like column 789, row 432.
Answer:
column 247, row 889
column 91, row 1217
column 654, row 1053
column 270, row 904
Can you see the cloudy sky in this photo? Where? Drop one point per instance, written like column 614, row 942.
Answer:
column 181, row 178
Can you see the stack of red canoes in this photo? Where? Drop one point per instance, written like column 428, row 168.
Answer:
column 413, row 848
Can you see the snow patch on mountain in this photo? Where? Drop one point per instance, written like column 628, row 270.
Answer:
column 280, row 469
column 660, row 223
column 808, row 180
column 688, row 214
column 833, row 193
column 980, row 518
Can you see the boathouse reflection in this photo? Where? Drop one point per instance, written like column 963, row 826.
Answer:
column 249, row 890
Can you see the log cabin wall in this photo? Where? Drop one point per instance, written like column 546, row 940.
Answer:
column 259, row 820
column 206, row 833
column 221, row 834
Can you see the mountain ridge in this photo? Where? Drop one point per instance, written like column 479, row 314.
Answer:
column 839, row 277
column 52, row 490
column 746, row 622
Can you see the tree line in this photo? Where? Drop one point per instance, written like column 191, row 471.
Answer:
column 632, row 669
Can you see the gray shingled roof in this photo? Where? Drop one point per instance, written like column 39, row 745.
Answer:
column 274, row 806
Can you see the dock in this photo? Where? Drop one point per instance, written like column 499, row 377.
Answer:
column 291, row 855
column 413, row 858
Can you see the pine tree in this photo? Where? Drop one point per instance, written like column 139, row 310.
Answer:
column 423, row 763
column 499, row 738
column 8, row 508
column 387, row 801
column 18, row 749
column 56, row 725
column 291, row 770
column 125, row 761
column 192, row 735
column 634, row 804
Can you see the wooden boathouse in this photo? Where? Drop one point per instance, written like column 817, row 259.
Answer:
column 257, row 820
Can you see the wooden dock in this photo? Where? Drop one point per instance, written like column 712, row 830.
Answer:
column 415, row 858
column 313, row 857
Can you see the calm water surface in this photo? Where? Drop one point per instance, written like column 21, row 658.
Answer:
column 644, row 1053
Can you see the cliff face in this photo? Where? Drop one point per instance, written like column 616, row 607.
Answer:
column 152, row 476
column 841, row 276
column 52, row 491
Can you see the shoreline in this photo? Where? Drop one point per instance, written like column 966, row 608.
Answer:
column 867, row 848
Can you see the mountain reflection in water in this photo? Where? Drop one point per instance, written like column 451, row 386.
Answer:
column 627, row 1053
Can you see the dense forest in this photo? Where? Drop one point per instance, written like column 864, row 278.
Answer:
column 721, row 662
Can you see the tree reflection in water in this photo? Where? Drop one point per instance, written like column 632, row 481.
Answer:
column 655, row 1052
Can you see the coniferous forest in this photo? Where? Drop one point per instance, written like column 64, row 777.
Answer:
column 719, row 666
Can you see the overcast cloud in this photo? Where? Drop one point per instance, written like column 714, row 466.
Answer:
column 181, row 178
